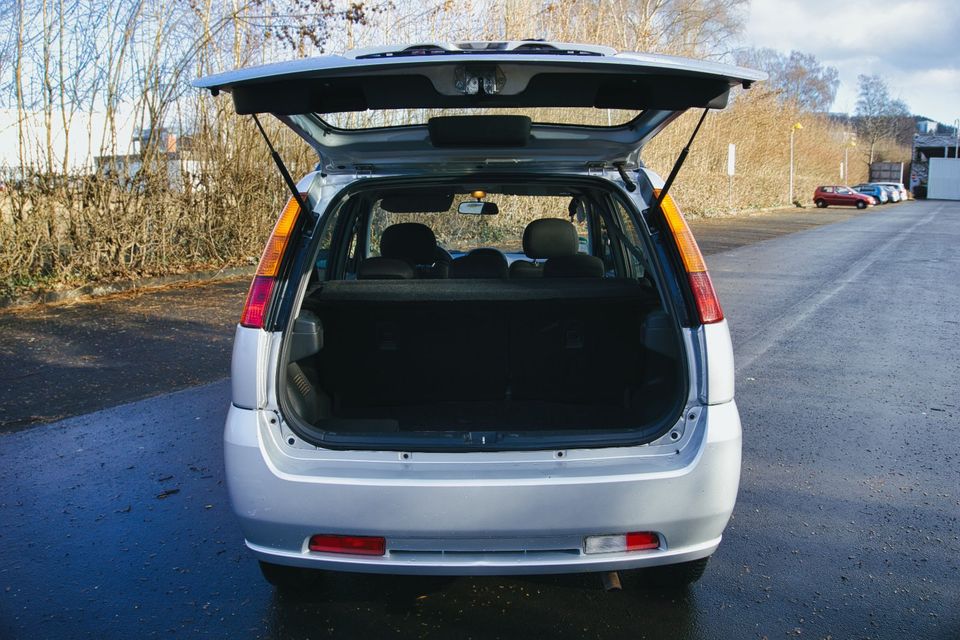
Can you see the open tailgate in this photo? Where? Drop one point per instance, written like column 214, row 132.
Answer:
column 481, row 76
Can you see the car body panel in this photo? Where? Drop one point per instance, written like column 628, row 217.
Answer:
column 721, row 378
column 474, row 513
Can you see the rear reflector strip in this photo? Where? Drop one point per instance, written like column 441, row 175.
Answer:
column 353, row 545
column 636, row 541
column 704, row 295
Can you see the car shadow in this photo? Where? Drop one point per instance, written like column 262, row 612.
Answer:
column 554, row 606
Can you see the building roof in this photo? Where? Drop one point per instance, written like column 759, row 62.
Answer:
column 941, row 140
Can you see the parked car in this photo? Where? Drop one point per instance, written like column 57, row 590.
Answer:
column 407, row 399
column 843, row 196
column 875, row 191
column 902, row 193
column 892, row 192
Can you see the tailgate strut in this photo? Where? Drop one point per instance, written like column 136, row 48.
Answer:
column 283, row 169
column 676, row 165
column 632, row 248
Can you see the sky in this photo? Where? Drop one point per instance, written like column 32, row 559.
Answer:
column 914, row 45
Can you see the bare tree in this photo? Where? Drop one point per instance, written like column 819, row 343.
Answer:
column 796, row 76
column 690, row 27
column 879, row 116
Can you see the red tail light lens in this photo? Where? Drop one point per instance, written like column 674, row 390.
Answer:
column 642, row 541
column 354, row 545
column 704, row 295
column 706, row 298
column 255, row 310
column 261, row 289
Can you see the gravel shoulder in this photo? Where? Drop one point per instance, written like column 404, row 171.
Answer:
column 70, row 359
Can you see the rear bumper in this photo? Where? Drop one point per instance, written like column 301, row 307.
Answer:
column 484, row 513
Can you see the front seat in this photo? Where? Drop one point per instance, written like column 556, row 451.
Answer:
column 556, row 241
column 415, row 244
column 407, row 250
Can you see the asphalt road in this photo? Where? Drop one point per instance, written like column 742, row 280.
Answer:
column 116, row 524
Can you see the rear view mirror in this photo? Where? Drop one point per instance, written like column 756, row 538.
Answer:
column 478, row 208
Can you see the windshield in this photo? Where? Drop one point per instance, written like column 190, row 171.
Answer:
column 459, row 233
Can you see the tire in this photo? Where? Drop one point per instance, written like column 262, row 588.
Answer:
column 861, row 204
column 821, row 204
column 288, row 578
column 674, row 576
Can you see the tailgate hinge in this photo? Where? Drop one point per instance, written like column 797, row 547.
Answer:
column 596, row 168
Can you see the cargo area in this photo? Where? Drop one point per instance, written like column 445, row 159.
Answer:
column 483, row 355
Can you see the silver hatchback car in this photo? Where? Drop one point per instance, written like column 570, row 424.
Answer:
column 481, row 338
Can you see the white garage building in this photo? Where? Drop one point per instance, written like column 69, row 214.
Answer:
column 936, row 169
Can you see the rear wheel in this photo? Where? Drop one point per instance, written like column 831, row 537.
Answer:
column 861, row 204
column 674, row 576
column 284, row 577
column 821, row 204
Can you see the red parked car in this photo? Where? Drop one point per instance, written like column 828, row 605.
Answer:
column 825, row 196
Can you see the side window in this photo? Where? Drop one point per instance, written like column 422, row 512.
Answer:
column 356, row 251
column 630, row 233
column 601, row 239
column 828, row 189
column 326, row 243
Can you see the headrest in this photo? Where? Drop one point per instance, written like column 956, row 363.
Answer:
column 550, row 238
column 409, row 241
column 385, row 269
column 480, row 263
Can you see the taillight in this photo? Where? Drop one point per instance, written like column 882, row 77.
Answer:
column 705, row 297
column 354, row 545
column 261, row 289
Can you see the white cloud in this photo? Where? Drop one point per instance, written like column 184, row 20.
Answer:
column 911, row 44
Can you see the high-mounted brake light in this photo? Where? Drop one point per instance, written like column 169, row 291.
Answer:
column 705, row 297
column 261, row 289
column 354, row 545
